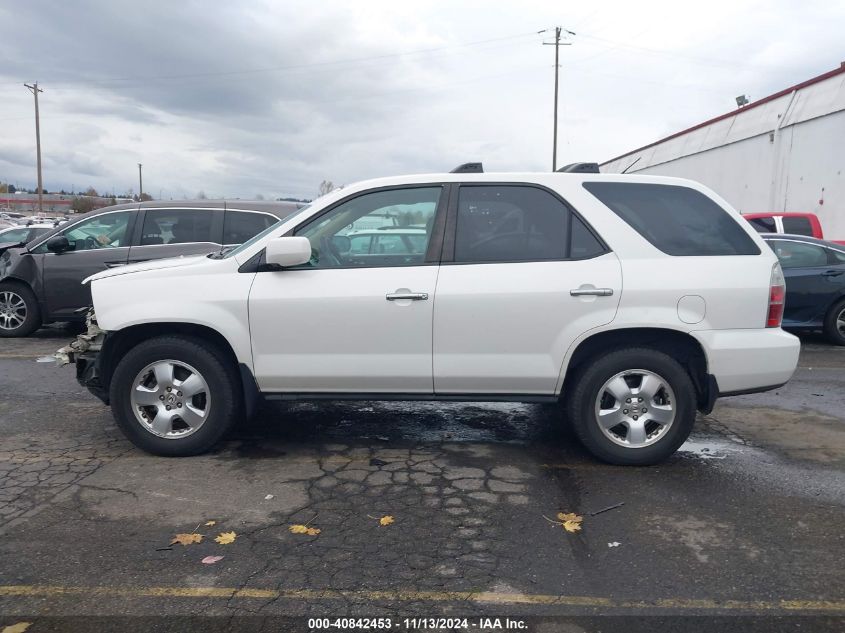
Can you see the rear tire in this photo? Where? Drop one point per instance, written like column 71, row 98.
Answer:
column 20, row 314
column 149, row 405
column 612, row 422
column 834, row 324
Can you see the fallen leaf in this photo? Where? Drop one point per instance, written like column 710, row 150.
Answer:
column 303, row 529
column 210, row 523
column 210, row 560
column 20, row 627
column 572, row 526
column 569, row 516
column 386, row 520
column 225, row 538
column 186, row 539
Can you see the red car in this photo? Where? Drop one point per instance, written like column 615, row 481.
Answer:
column 792, row 223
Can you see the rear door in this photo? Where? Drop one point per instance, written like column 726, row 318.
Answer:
column 522, row 276
column 172, row 232
column 96, row 243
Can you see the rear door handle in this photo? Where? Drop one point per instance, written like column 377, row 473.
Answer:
column 596, row 292
column 413, row 296
column 115, row 264
column 832, row 273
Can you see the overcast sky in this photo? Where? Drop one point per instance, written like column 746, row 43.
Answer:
column 247, row 97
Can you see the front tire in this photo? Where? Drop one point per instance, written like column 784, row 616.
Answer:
column 175, row 396
column 20, row 314
column 834, row 324
column 632, row 407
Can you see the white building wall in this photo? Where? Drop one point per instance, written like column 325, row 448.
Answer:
column 787, row 154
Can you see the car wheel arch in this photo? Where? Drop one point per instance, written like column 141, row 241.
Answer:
column 681, row 346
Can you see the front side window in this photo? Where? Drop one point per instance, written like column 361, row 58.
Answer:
column 109, row 230
column 240, row 226
column 177, row 226
column 677, row 220
column 507, row 223
column 799, row 254
column 382, row 228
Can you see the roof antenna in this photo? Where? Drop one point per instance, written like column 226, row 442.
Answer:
column 625, row 171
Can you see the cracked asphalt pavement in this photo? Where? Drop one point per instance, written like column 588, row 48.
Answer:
column 746, row 519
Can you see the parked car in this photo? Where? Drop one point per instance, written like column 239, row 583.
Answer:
column 23, row 233
column 518, row 296
column 815, row 284
column 41, row 281
column 807, row 224
column 385, row 240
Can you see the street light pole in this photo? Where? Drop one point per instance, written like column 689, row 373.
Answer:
column 35, row 90
column 140, row 182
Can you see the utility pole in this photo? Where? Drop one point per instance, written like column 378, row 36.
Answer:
column 35, row 90
column 140, row 182
column 557, row 44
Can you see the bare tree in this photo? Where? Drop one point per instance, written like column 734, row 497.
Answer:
column 258, row 196
column 201, row 195
column 327, row 186
column 90, row 191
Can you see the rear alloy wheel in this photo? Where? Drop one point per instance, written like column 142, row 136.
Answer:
column 175, row 395
column 632, row 407
column 834, row 324
column 19, row 313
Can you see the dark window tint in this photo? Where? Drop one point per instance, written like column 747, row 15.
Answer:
column 797, row 226
column 799, row 254
column 177, row 226
column 510, row 223
column 239, row 226
column 585, row 245
column 764, row 225
column 677, row 220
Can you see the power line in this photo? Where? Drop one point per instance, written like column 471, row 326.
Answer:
column 273, row 69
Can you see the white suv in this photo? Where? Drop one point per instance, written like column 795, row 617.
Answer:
column 633, row 301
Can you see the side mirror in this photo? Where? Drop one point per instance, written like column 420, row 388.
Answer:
column 58, row 244
column 288, row 251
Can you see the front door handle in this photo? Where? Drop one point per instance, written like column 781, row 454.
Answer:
column 832, row 273
column 115, row 264
column 413, row 296
column 596, row 292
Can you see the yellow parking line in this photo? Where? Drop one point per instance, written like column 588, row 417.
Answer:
column 480, row 597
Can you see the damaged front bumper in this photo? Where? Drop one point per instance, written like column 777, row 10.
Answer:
column 84, row 352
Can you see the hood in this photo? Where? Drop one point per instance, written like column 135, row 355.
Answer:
column 155, row 264
column 7, row 245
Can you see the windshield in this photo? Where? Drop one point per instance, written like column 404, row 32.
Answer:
column 239, row 249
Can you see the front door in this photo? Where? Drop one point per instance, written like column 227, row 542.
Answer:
column 525, row 277
column 96, row 243
column 351, row 321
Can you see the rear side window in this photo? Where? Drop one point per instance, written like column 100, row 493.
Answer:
column 677, row 220
column 507, row 223
column 176, row 226
column 799, row 254
column 797, row 226
column 764, row 225
column 239, row 226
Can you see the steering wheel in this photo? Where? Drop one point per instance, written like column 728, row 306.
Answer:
column 328, row 248
column 92, row 243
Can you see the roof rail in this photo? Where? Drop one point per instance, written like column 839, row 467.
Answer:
column 468, row 168
column 580, row 168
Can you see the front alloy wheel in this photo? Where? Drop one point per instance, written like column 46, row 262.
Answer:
column 12, row 310
column 170, row 399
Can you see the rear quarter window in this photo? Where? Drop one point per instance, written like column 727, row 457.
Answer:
column 677, row 220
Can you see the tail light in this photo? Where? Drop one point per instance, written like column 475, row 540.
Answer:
column 777, row 297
